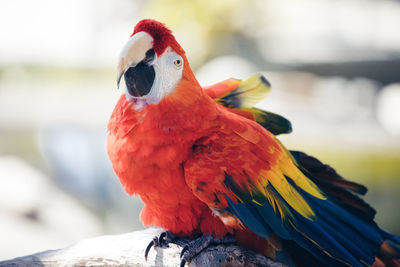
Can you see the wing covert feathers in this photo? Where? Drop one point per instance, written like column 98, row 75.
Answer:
column 256, row 162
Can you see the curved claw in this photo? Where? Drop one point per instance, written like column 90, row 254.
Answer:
column 183, row 262
column 160, row 241
column 185, row 248
column 162, row 236
column 149, row 246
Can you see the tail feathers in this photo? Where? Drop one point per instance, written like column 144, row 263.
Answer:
column 334, row 246
column 336, row 237
column 392, row 263
column 389, row 252
column 386, row 263
column 325, row 174
column 346, row 217
column 388, row 236
column 378, row 263
column 340, row 191
column 351, row 203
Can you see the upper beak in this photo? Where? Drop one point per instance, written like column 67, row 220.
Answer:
column 133, row 52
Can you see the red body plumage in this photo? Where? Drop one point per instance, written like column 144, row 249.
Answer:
column 149, row 148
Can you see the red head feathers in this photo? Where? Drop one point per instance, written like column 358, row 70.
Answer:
column 161, row 34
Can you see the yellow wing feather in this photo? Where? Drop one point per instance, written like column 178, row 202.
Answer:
column 247, row 94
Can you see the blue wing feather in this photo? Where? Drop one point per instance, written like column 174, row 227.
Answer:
column 249, row 218
column 272, row 219
column 335, row 237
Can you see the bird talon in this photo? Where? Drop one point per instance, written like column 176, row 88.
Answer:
column 161, row 241
column 183, row 262
column 149, row 246
column 162, row 236
column 185, row 248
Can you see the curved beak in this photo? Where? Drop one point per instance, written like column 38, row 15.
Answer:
column 133, row 53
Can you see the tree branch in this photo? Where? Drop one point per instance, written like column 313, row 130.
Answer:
column 128, row 250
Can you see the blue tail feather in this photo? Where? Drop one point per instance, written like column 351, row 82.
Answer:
column 361, row 239
column 357, row 249
column 393, row 242
column 386, row 235
column 314, row 231
column 366, row 230
column 315, row 250
column 335, row 237
column 326, row 230
column 368, row 240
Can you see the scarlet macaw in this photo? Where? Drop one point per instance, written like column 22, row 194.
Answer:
column 205, row 162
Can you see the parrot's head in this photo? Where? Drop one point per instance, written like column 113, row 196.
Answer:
column 153, row 64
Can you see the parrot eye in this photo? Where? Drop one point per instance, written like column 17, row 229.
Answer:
column 178, row 63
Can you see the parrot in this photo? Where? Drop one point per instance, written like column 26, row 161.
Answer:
column 207, row 164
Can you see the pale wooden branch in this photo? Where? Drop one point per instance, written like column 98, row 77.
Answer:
column 128, row 250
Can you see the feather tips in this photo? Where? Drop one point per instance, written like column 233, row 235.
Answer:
column 247, row 94
column 241, row 96
column 335, row 186
column 274, row 123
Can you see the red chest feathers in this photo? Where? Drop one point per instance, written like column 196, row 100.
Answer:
column 147, row 150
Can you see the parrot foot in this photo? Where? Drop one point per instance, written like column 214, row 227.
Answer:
column 163, row 240
column 194, row 247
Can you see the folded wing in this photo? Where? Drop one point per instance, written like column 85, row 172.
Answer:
column 244, row 172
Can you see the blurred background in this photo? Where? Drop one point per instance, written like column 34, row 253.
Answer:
column 334, row 67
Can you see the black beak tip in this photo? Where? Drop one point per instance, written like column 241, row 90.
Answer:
column 119, row 79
